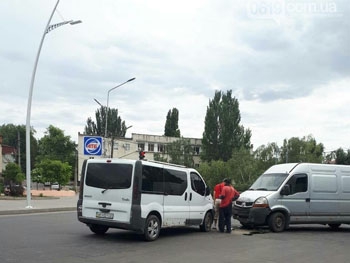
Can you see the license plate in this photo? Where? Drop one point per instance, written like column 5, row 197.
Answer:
column 104, row 215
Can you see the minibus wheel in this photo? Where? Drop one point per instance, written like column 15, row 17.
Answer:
column 277, row 222
column 207, row 222
column 152, row 228
column 98, row 229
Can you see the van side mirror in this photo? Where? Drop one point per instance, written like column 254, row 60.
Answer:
column 285, row 190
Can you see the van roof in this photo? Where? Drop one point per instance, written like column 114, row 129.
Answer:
column 281, row 168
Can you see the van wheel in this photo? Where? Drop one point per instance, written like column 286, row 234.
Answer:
column 152, row 228
column 277, row 222
column 99, row 229
column 207, row 222
column 334, row 226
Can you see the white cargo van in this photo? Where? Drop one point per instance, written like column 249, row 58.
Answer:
column 142, row 196
column 297, row 193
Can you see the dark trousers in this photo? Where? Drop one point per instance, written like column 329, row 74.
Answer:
column 225, row 214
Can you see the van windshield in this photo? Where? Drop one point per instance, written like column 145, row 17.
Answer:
column 269, row 182
column 109, row 176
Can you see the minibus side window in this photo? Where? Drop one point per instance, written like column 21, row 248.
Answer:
column 197, row 184
column 298, row 183
column 175, row 182
column 152, row 179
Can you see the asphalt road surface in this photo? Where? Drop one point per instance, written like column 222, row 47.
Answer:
column 59, row 237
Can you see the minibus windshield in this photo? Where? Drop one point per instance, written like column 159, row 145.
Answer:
column 269, row 182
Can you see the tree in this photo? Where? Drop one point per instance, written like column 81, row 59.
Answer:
column 13, row 174
column 15, row 136
column 116, row 127
column 223, row 132
column 267, row 156
column 171, row 128
column 56, row 146
column 181, row 152
column 53, row 171
column 298, row 150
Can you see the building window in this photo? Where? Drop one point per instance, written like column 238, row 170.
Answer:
column 141, row 146
column 151, row 147
column 115, row 146
column 127, row 146
column 196, row 150
column 161, row 148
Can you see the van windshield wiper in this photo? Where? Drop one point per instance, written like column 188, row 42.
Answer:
column 264, row 189
column 104, row 190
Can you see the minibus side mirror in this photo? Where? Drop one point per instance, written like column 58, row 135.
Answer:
column 285, row 190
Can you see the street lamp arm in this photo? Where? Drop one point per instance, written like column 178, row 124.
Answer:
column 52, row 27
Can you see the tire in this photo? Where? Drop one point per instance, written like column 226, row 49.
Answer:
column 152, row 228
column 98, row 229
column 277, row 222
column 207, row 222
column 334, row 226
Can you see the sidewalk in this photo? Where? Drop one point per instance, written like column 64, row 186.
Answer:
column 51, row 201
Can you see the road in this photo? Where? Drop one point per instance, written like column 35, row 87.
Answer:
column 59, row 237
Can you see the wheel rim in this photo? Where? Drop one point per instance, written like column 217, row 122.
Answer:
column 208, row 221
column 153, row 228
column 279, row 222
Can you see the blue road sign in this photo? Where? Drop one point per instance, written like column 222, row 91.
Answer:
column 92, row 145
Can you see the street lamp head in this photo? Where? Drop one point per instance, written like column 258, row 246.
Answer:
column 75, row 22
column 98, row 102
column 131, row 79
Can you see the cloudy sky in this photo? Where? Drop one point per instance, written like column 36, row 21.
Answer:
column 286, row 61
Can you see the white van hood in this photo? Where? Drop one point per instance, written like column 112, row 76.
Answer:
column 251, row 195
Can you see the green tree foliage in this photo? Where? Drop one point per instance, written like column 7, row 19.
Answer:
column 56, row 146
column 172, row 124
column 339, row 157
column 13, row 174
column 181, row 152
column 15, row 136
column 214, row 172
column 115, row 125
column 267, row 155
column 298, row 150
column 53, row 171
column 223, row 132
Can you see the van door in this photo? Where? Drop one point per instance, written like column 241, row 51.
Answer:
column 176, row 197
column 198, row 199
column 107, row 191
column 298, row 201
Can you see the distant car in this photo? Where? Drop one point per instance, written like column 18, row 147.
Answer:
column 55, row 186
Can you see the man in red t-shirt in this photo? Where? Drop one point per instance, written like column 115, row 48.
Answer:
column 225, row 213
column 217, row 201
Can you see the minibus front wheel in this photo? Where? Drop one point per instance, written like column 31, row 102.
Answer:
column 277, row 222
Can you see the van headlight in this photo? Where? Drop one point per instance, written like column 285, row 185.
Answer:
column 261, row 202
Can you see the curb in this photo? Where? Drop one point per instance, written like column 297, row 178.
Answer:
column 37, row 210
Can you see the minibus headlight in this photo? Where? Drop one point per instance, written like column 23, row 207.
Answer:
column 261, row 202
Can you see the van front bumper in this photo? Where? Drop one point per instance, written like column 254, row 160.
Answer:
column 251, row 215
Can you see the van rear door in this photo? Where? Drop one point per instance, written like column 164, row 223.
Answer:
column 108, row 191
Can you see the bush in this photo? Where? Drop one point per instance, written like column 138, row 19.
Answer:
column 16, row 190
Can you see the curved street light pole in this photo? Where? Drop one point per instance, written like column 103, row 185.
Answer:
column 107, row 110
column 48, row 28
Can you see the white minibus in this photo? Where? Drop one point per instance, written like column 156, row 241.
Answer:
column 143, row 196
